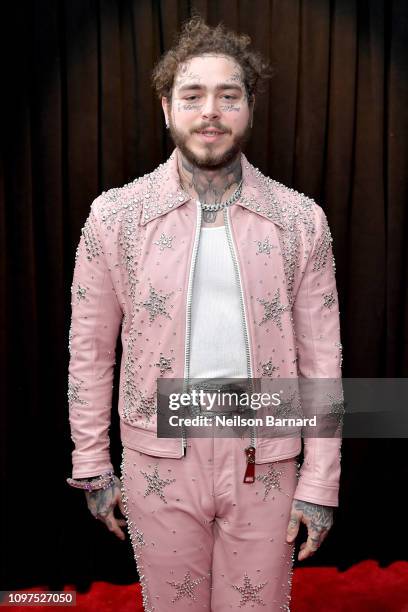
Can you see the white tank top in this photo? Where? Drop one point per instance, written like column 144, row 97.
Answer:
column 217, row 346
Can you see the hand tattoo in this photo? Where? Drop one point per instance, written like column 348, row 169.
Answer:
column 318, row 520
column 321, row 517
column 101, row 504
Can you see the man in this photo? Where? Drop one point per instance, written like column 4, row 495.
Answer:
column 211, row 270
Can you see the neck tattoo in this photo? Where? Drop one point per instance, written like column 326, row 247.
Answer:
column 210, row 187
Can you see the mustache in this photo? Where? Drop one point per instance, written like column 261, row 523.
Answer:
column 220, row 128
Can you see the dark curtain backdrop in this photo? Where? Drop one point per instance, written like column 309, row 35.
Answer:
column 79, row 116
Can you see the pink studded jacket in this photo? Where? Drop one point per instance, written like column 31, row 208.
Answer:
column 133, row 275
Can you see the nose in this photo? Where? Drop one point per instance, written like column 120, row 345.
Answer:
column 210, row 110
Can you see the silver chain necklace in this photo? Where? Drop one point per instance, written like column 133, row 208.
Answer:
column 210, row 210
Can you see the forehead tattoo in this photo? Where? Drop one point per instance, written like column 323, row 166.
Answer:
column 185, row 73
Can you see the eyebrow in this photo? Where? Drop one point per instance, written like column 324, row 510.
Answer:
column 194, row 86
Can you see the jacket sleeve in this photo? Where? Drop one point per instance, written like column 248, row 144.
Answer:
column 317, row 329
column 95, row 323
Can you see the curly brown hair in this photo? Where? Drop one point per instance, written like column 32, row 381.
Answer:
column 197, row 38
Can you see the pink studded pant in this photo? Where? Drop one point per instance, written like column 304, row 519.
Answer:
column 204, row 540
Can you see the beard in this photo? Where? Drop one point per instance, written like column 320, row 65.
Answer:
column 209, row 159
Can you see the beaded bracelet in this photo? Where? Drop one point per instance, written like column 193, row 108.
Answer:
column 104, row 481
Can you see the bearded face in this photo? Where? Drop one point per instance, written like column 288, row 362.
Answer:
column 209, row 117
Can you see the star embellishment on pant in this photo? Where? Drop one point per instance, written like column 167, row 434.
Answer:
column 249, row 592
column 185, row 588
column 156, row 484
column 271, row 480
column 273, row 310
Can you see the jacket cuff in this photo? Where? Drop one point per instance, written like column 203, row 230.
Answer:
column 317, row 492
column 91, row 467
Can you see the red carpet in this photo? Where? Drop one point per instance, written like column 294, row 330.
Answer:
column 363, row 588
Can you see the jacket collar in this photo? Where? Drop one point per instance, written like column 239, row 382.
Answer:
column 164, row 193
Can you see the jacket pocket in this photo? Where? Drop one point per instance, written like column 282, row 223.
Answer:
column 275, row 449
column 147, row 442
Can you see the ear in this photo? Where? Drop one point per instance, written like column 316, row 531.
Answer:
column 166, row 109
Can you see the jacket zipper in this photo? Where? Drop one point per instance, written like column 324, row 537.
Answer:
column 250, row 450
column 188, row 316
